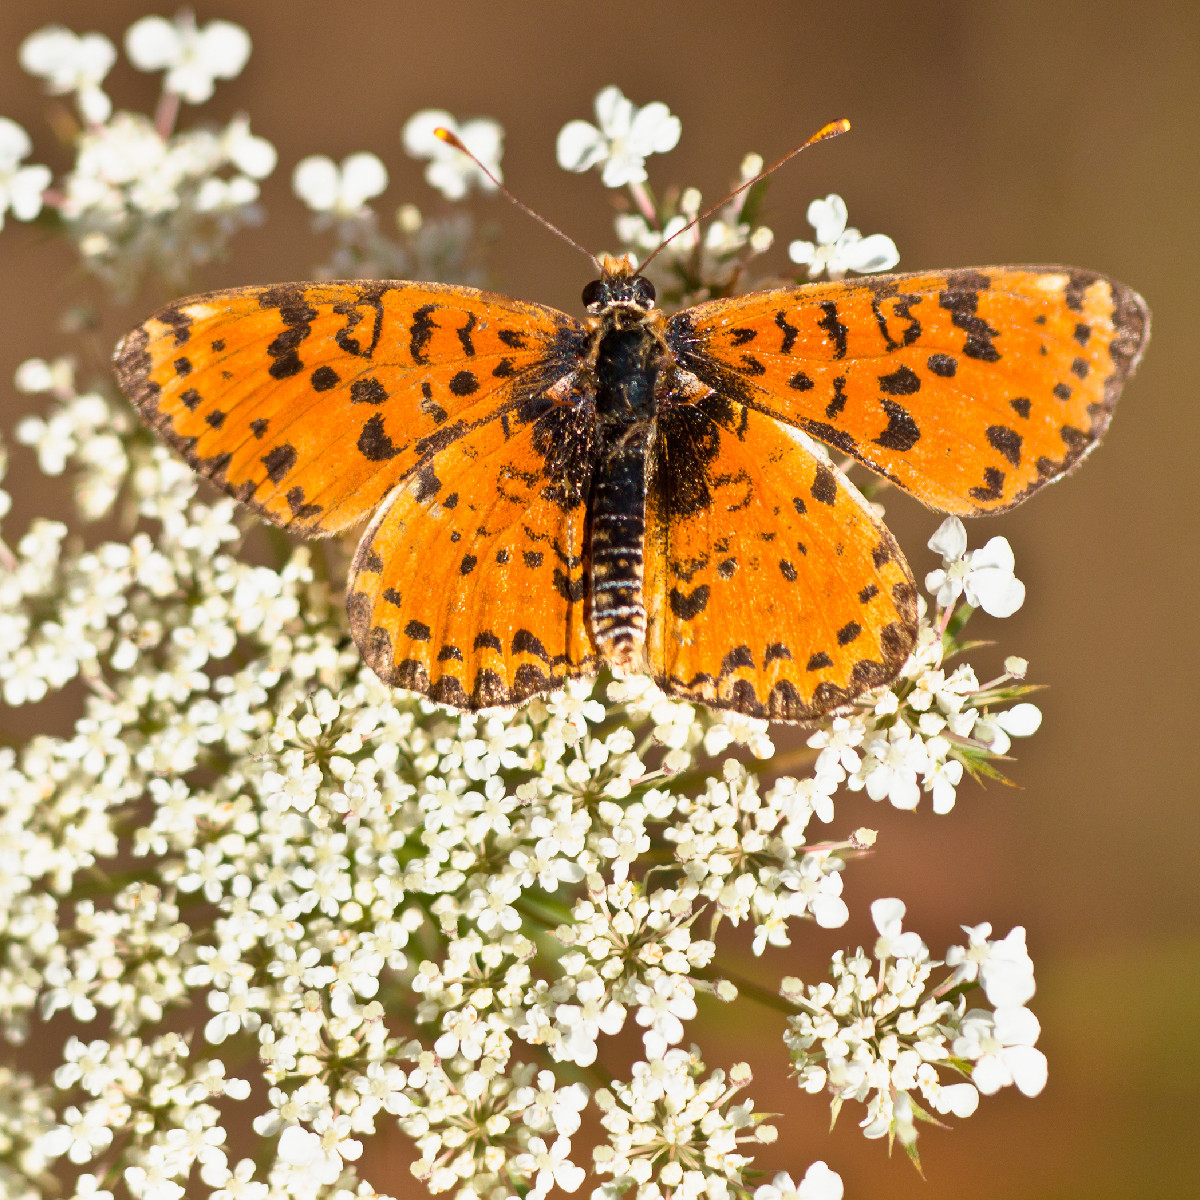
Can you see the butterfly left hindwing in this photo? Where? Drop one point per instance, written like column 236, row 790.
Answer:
column 471, row 584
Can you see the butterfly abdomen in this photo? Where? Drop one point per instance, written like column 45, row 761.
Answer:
column 627, row 365
column 618, row 528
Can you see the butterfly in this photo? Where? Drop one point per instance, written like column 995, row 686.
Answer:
column 640, row 490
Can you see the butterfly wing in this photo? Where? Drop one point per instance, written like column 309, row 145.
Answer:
column 969, row 389
column 470, row 583
column 310, row 401
column 771, row 586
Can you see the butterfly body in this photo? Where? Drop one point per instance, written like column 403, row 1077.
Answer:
column 639, row 489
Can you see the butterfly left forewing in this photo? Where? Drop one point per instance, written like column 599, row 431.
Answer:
column 310, row 401
column 771, row 586
column 970, row 389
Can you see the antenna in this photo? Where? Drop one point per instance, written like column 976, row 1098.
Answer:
column 452, row 139
column 825, row 132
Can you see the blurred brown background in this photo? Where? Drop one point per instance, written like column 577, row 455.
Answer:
column 1008, row 132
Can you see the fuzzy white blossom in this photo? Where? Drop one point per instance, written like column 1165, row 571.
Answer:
column 71, row 62
column 344, row 190
column 839, row 249
column 192, row 57
column 21, row 187
column 624, row 136
column 449, row 169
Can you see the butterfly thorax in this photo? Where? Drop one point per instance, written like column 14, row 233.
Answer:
column 628, row 355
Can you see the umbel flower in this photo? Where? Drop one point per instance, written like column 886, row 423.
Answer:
column 263, row 894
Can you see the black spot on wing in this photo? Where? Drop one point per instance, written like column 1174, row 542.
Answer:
column 824, row 486
column 367, row 390
column 420, row 330
column 961, row 299
column 689, row 605
column 902, row 432
column 992, row 487
column 463, row 383
column 324, row 378
column 903, row 381
column 279, row 461
column 374, row 443
column 833, row 327
column 1007, row 441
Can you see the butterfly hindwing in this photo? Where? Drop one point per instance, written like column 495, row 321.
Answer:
column 969, row 389
column 470, row 584
column 310, row 401
column 771, row 586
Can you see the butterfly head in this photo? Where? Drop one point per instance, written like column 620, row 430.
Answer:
column 619, row 286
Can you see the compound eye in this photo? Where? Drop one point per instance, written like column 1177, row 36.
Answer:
column 645, row 290
column 593, row 293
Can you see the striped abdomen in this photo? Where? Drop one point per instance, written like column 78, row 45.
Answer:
column 618, row 527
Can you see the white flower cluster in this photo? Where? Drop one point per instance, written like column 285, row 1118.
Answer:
column 339, row 195
column 269, row 893
column 881, row 1032
column 714, row 254
column 675, row 1133
column 711, row 261
column 141, row 196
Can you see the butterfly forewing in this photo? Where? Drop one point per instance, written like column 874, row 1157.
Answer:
column 309, row 402
column 969, row 389
column 771, row 586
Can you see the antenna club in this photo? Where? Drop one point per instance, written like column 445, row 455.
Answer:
column 451, row 139
column 830, row 130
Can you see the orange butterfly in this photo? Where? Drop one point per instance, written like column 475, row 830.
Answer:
column 636, row 489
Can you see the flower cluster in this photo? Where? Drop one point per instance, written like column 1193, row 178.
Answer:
column 140, row 196
column 882, row 1032
column 269, row 894
column 443, row 248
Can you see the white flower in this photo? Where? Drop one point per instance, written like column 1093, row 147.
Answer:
column 342, row 191
column 1003, row 967
column 192, row 57
column 304, row 1150
column 449, row 169
column 1002, row 1046
column 249, row 153
column 21, row 188
column 626, row 135
column 838, row 249
column 984, row 576
column 72, row 63
column 892, row 943
column 552, row 1165
column 819, row 1183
